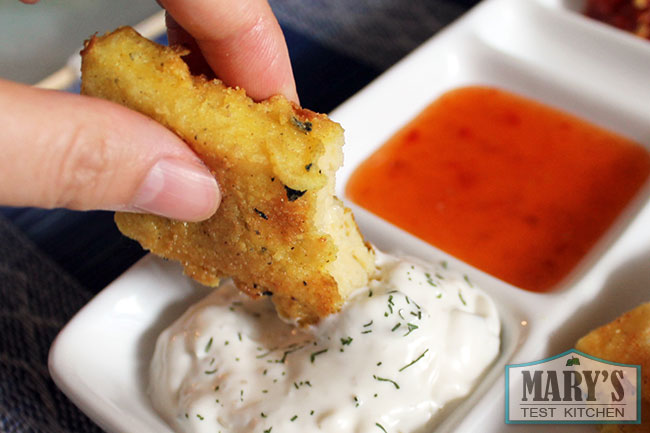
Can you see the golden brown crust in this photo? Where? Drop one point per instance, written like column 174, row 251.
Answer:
column 625, row 340
column 274, row 163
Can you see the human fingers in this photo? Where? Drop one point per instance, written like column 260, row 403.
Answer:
column 195, row 60
column 240, row 40
column 64, row 150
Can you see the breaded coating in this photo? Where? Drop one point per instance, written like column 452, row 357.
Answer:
column 625, row 340
column 279, row 230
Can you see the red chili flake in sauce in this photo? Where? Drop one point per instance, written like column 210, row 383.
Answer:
column 629, row 15
column 513, row 187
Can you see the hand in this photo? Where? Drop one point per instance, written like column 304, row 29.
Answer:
column 240, row 40
column 64, row 150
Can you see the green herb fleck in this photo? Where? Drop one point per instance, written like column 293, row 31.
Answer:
column 304, row 126
column 367, row 331
column 294, row 194
column 460, row 295
column 315, row 354
column 368, row 324
column 311, row 413
column 210, row 371
column 268, row 430
column 199, row 416
column 346, row 341
column 383, row 379
column 444, row 264
column 207, row 346
column 293, row 418
column 414, row 361
column 262, row 414
column 288, row 352
column 265, row 354
column 411, row 327
column 370, row 293
column 395, row 327
column 467, row 280
column 239, row 336
column 381, row 427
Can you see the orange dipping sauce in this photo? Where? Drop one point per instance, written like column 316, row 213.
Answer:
column 513, row 187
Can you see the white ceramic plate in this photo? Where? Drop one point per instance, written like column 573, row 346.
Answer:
column 539, row 48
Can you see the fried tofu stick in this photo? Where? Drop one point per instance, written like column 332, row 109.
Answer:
column 625, row 340
column 279, row 230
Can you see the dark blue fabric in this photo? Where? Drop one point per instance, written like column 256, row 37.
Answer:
column 87, row 245
column 53, row 261
column 37, row 300
column 324, row 78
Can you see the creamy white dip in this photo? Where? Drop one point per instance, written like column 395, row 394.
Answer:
column 418, row 337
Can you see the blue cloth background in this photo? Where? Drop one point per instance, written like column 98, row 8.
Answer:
column 52, row 262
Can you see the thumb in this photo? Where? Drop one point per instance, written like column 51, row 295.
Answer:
column 64, row 150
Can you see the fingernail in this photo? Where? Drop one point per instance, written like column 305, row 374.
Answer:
column 290, row 92
column 178, row 189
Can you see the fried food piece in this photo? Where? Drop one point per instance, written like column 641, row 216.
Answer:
column 279, row 230
column 625, row 340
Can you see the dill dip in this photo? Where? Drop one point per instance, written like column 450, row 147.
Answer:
column 416, row 338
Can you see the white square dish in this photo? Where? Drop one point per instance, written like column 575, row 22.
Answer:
column 101, row 358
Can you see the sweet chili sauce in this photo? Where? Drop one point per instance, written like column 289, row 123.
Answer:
column 513, row 187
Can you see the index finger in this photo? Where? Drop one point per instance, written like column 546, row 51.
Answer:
column 241, row 41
